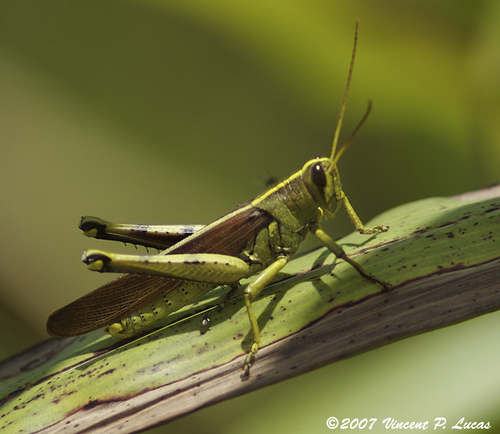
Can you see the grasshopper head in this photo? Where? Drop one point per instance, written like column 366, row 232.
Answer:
column 322, row 181
column 320, row 175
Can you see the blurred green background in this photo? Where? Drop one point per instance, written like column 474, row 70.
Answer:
column 175, row 112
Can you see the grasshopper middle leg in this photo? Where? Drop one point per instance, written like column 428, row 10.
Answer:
column 339, row 252
column 251, row 292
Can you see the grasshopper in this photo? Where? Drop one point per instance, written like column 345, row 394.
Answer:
column 258, row 237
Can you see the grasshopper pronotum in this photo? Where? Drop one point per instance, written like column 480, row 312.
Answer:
column 259, row 236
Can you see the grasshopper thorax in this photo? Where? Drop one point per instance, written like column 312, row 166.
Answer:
column 322, row 181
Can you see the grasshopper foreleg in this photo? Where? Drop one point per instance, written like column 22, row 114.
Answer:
column 357, row 221
column 339, row 252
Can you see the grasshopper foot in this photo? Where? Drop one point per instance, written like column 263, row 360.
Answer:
column 249, row 361
column 373, row 230
column 385, row 285
column 246, row 366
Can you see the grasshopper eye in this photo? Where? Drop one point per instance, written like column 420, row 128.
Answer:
column 318, row 176
column 317, row 179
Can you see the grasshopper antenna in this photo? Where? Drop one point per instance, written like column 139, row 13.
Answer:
column 349, row 140
column 333, row 157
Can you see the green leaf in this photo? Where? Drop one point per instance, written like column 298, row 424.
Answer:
column 442, row 255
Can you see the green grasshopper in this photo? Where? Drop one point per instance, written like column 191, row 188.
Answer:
column 259, row 236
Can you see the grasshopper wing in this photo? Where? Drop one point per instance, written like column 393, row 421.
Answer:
column 107, row 304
